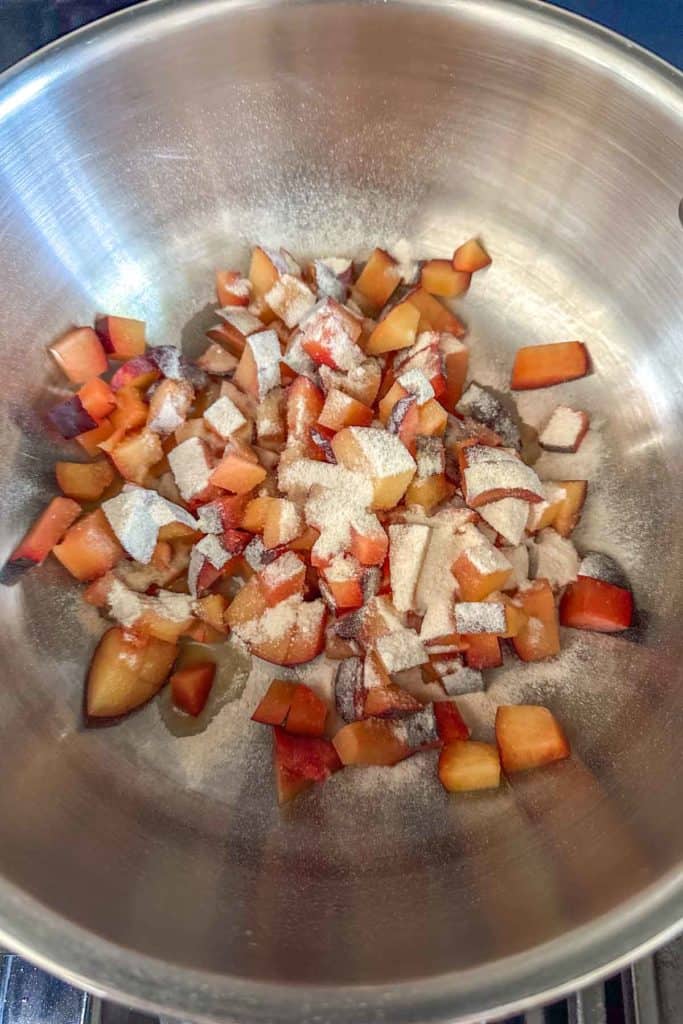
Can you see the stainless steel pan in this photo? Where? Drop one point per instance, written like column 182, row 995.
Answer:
column 135, row 157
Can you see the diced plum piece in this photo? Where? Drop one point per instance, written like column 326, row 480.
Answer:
column 396, row 330
column 483, row 651
column 255, row 512
column 70, row 418
column 432, row 419
column 407, row 548
column 232, row 289
column 271, row 422
column 304, row 405
column 569, row 512
column 290, row 298
column 341, row 410
column 308, row 636
column 484, row 405
column 121, row 337
column 371, row 742
column 282, row 578
column 275, row 703
column 440, row 277
column 565, row 430
column 433, row 315
column 362, row 382
column 384, row 698
column 228, row 337
column 349, row 692
column 91, row 440
column 248, row 604
column 301, row 761
column 131, row 411
column 127, row 670
column 379, row 279
column 331, row 277
column 449, row 722
column 470, row 257
column 80, row 355
column 379, row 455
column 97, row 398
column 490, row 473
column 589, row 603
column 40, row 540
column 529, row 736
column 191, row 686
column 404, row 422
column 329, row 335
column 540, row 637
column 259, row 366
column 217, row 361
column 429, row 492
column 85, row 481
column 283, row 523
column 135, row 455
column 541, row 366
column 211, row 610
column 307, row 713
column 455, row 357
column 89, row 547
column 140, row 373
column 466, row 765
column 480, row 571
column 168, row 407
column 369, row 541
column 238, row 471
column 344, row 579
column 266, row 266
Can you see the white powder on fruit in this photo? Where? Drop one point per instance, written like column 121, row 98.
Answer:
column 386, row 455
column 290, row 299
column 407, row 549
column 555, row 558
column 241, row 319
column 408, row 267
column 224, row 417
column 480, row 617
column 416, row 383
column 286, row 567
column 191, row 467
column 563, row 429
column 265, row 349
column 508, row 517
column 401, row 650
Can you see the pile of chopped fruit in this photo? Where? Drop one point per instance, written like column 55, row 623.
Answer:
column 321, row 481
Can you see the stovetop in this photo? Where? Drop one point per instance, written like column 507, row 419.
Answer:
column 650, row 991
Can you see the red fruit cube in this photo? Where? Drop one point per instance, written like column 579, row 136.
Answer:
column 282, row 578
column 540, row 637
column 449, row 722
column 191, row 686
column 80, row 354
column 589, row 603
column 470, row 257
column 528, row 736
column 465, row 765
column 541, row 366
column 379, row 279
column 135, row 455
column 369, row 541
column 300, row 761
column 85, row 481
column 341, row 410
column 136, row 373
column 89, row 548
column 371, row 742
column 329, row 336
column 121, row 337
column 45, row 533
column 97, row 398
column 275, row 703
column 440, row 277
column 483, row 651
column 307, row 713
column 304, row 405
column 232, row 289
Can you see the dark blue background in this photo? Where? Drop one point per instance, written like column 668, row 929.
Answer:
column 27, row 24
